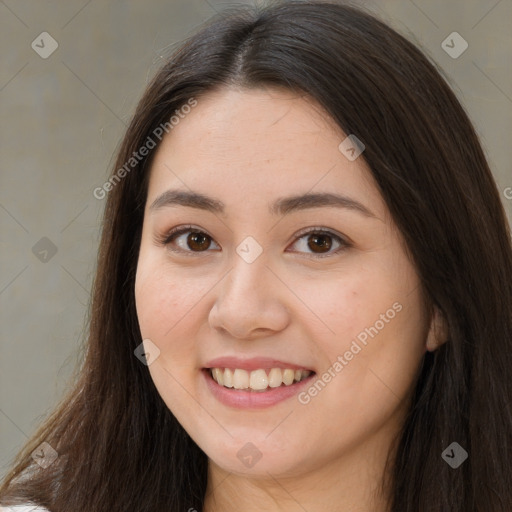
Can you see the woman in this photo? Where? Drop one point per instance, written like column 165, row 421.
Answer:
column 304, row 288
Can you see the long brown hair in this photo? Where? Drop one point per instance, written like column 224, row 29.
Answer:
column 120, row 448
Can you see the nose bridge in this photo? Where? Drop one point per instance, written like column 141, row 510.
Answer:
column 246, row 301
column 248, row 265
column 248, row 274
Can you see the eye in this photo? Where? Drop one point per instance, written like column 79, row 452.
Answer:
column 320, row 242
column 196, row 240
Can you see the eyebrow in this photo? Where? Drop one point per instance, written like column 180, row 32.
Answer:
column 281, row 206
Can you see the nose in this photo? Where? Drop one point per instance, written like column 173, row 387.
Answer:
column 250, row 301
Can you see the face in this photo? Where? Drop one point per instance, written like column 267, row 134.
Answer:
column 275, row 288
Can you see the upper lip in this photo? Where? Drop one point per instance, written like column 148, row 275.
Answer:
column 255, row 363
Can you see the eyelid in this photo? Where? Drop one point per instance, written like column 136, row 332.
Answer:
column 321, row 229
column 342, row 240
column 177, row 231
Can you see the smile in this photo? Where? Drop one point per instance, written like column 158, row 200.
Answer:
column 236, row 391
column 259, row 380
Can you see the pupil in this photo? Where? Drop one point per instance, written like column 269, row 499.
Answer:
column 197, row 241
column 322, row 240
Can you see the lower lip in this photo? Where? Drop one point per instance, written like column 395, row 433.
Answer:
column 243, row 399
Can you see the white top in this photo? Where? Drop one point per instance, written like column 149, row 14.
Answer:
column 23, row 508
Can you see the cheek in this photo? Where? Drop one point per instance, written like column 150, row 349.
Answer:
column 162, row 298
column 166, row 314
column 170, row 310
column 157, row 303
column 381, row 357
column 375, row 323
column 346, row 303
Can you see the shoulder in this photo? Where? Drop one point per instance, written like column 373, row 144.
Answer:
column 23, row 508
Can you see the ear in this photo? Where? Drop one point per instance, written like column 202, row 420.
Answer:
column 438, row 332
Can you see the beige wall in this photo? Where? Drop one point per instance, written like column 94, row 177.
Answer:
column 63, row 116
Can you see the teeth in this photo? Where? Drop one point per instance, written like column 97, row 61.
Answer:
column 288, row 376
column 275, row 378
column 257, row 380
column 227, row 377
column 240, row 379
column 218, row 375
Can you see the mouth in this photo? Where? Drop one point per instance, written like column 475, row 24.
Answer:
column 261, row 380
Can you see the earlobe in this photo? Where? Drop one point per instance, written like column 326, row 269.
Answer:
column 438, row 332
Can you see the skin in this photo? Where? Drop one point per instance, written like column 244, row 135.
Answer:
column 247, row 148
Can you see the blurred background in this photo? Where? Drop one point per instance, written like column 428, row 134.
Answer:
column 71, row 75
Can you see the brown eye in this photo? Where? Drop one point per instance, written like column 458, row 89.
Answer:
column 198, row 241
column 316, row 242
column 319, row 242
column 187, row 240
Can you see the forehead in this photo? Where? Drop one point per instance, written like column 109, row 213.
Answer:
column 257, row 121
column 242, row 143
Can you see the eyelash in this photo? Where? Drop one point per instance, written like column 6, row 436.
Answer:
column 174, row 233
